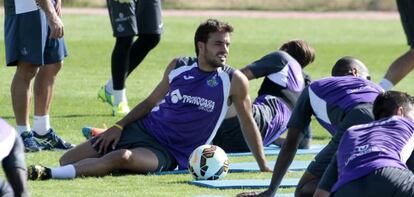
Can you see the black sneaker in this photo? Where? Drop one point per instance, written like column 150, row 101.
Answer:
column 52, row 141
column 30, row 143
column 38, row 172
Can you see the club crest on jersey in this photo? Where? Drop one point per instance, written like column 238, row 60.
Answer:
column 212, row 82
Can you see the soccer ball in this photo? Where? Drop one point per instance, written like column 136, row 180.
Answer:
column 208, row 162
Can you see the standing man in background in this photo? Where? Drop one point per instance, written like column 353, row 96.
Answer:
column 34, row 43
column 405, row 63
column 129, row 18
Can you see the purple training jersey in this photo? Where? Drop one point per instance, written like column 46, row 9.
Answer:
column 192, row 110
column 343, row 92
column 365, row 148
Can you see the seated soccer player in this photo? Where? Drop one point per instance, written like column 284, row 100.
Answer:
column 337, row 103
column 371, row 158
column 12, row 158
column 284, row 81
column 183, row 112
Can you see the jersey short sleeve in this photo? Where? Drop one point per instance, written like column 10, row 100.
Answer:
column 270, row 63
column 302, row 112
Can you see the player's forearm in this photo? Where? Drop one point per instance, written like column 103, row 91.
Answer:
column 285, row 158
column 48, row 8
column 255, row 143
column 137, row 113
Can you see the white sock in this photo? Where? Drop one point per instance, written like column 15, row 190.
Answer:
column 41, row 124
column 22, row 128
column 119, row 96
column 64, row 172
column 386, row 84
column 109, row 86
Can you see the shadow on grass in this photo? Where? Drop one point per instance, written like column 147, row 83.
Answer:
column 67, row 116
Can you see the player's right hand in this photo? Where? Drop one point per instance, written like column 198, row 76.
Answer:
column 56, row 27
column 266, row 193
column 266, row 169
column 109, row 138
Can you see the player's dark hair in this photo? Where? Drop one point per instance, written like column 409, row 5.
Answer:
column 300, row 50
column 210, row 26
column 387, row 102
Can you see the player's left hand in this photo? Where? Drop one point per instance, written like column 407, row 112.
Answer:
column 109, row 138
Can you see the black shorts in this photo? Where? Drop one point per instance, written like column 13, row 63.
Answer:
column 135, row 135
column 384, row 182
column 133, row 17
column 230, row 136
column 360, row 114
column 406, row 9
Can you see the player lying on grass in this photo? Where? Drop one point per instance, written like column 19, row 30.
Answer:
column 183, row 112
column 337, row 102
column 283, row 82
column 12, row 159
column 372, row 158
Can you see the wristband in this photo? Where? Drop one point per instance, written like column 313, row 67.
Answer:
column 119, row 126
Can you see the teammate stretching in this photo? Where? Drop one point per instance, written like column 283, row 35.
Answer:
column 284, row 81
column 337, row 102
column 129, row 18
column 183, row 112
column 371, row 158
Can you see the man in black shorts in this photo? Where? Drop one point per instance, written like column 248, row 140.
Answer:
column 283, row 82
column 12, row 158
column 405, row 63
column 129, row 18
column 183, row 112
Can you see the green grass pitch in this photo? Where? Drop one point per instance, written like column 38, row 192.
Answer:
column 89, row 41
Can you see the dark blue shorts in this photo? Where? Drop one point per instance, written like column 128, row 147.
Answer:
column 27, row 39
column 133, row 17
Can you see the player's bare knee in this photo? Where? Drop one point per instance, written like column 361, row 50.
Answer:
column 307, row 185
column 124, row 157
column 27, row 73
column 58, row 66
column 66, row 158
column 63, row 160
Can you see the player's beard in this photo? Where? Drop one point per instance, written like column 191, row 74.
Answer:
column 214, row 59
